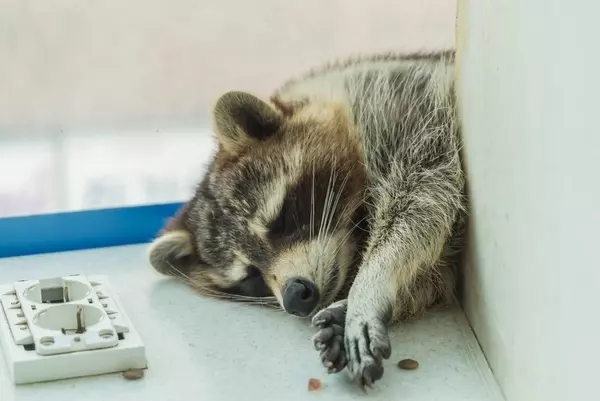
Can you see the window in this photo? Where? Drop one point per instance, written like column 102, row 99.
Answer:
column 105, row 107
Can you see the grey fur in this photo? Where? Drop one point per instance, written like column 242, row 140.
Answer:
column 402, row 113
column 405, row 114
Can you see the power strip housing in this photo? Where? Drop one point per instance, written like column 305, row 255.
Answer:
column 66, row 327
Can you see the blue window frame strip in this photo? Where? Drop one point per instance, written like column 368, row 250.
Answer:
column 57, row 232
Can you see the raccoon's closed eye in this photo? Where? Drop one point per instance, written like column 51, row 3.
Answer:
column 285, row 222
column 278, row 226
column 252, row 285
column 252, row 272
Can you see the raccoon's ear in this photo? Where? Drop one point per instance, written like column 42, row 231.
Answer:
column 173, row 254
column 242, row 119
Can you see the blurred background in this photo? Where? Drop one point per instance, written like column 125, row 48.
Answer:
column 107, row 103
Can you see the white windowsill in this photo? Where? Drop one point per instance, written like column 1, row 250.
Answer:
column 203, row 349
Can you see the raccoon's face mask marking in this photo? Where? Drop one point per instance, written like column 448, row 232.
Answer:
column 277, row 213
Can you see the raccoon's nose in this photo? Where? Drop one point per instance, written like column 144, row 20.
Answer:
column 300, row 296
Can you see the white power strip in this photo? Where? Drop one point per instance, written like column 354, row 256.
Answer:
column 66, row 327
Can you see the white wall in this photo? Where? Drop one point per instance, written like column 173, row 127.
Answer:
column 529, row 87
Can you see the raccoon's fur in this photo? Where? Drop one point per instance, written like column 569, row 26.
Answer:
column 342, row 191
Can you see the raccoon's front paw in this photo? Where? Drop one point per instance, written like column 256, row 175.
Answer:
column 329, row 340
column 366, row 343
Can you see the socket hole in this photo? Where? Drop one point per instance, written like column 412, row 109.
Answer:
column 69, row 317
column 20, row 314
column 90, row 301
column 14, row 303
column 105, row 305
column 121, row 336
column 112, row 317
column 77, row 339
column 29, row 347
column 57, row 291
column 47, row 341
column 106, row 334
column 33, row 307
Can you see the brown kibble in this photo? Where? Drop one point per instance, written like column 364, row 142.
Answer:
column 408, row 364
column 133, row 374
column 314, row 384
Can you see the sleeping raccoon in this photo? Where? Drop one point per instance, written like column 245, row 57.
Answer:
column 340, row 198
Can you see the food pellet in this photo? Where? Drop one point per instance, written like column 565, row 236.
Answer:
column 133, row 374
column 314, row 384
column 408, row 364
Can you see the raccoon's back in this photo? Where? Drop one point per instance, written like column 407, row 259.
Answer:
column 403, row 106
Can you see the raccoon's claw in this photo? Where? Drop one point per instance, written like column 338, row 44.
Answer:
column 366, row 344
column 333, row 314
column 332, row 353
column 326, row 335
column 333, row 356
column 329, row 339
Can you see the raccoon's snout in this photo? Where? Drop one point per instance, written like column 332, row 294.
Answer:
column 300, row 296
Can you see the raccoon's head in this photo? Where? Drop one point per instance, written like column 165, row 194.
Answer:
column 279, row 211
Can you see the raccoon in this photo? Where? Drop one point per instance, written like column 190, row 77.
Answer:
column 341, row 198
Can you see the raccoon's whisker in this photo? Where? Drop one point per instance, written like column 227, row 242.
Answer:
column 343, row 213
column 339, row 246
column 325, row 217
column 356, row 225
column 332, row 213
column 306, row 246
column 348, row 234
column 296, row 221
column 209, row 291
column 367, row 203
column 312, row 205
column 330, row 210
column 307, row 254
column 330, row 196
column 335, row 203
column 326, row 207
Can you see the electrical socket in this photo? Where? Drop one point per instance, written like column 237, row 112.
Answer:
column 63, row 327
